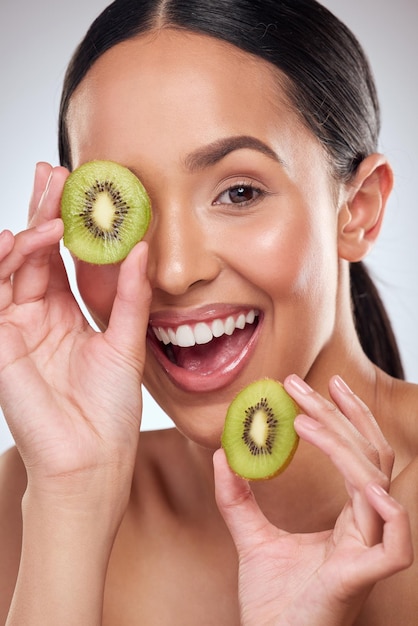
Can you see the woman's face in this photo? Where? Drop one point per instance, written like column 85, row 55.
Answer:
column 243, row 240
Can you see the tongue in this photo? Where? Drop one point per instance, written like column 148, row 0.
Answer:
column 214, row 355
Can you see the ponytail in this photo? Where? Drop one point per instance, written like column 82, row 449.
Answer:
column 372, row 323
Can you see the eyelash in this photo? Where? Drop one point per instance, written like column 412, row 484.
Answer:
column 245, row 186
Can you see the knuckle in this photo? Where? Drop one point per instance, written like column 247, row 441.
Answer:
column 387, row 454
column 329, row 410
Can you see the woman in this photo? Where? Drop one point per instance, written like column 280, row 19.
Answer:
column 253, row 126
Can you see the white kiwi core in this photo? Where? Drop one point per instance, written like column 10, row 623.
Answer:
column 104, row 211
column 259, row 428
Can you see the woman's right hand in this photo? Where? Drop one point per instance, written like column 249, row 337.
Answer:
column 71, row 395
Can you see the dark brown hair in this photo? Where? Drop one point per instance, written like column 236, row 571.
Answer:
column 330, row 84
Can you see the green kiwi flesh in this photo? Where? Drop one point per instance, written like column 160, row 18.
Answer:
column 106, row 211
column 259, row 438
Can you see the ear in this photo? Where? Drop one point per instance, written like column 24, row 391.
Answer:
column 361, row 214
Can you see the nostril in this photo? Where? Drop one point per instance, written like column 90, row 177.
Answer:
column 176, row 273
column 181, row 249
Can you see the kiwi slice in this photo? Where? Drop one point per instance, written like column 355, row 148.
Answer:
column 259, row 438
column 105, row 210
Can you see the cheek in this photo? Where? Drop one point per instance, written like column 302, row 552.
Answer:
column 294, row 266
column 97, row 287
column 287, row 257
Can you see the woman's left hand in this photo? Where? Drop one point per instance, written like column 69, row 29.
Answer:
column 324, row 577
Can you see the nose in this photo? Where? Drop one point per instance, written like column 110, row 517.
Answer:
column 182, row 250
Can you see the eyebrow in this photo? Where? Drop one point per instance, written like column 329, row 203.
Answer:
column 216, row 151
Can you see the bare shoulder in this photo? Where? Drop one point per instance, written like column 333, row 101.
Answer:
column 399, row 413
column 12, row 488
column 408, row 404
column 394, row 600
column 404, row 486
column 395, row 597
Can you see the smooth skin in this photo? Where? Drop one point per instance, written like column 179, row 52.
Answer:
column 152, row 528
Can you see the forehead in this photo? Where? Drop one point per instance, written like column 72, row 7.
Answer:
column 174, row 83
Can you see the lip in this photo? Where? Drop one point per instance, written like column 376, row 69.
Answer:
column 198, row 381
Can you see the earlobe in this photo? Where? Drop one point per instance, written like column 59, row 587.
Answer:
column 361, row 215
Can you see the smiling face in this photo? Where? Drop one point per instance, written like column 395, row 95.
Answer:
column 243, row 241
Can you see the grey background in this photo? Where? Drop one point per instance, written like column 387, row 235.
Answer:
column 37, row 39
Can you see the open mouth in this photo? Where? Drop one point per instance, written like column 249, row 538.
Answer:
column 206, row 349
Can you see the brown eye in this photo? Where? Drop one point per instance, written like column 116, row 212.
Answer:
column 239, row 194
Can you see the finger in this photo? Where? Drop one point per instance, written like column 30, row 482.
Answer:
column 28, row 242
column 45, row 268
column 42, row 175
column 31, row 281
column 356, row 469
column 128, row 321
column 6, row 246
column 362, row 419
column 28, row 245
column 49, row 205
column 236, row 502
column 394, row 553
column 327, row 413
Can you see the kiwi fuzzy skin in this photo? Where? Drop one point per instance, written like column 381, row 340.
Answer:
column 238, row 453
column 122, row 191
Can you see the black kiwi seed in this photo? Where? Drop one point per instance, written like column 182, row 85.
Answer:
column 105, row 210
column 271, row 422
column 259, row 438
column 120, row 210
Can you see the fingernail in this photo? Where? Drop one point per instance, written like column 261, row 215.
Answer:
column 48, row 182
column 342, row 385
column 378, row 490
column 37, row 168
column 47, row 186
column 300, row 385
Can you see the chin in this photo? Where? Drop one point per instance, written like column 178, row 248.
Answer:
column 199, row 418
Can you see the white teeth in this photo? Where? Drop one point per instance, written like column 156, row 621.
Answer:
column 164, row 336
column 250, row 317
column 156, row 333
column 229, row 326
column 240, row 323
column 218, row 328
column 202, row 333
column 187, row 336
column 172, row 335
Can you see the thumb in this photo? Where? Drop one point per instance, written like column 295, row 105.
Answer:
column 238, row 507
column 128, row 323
